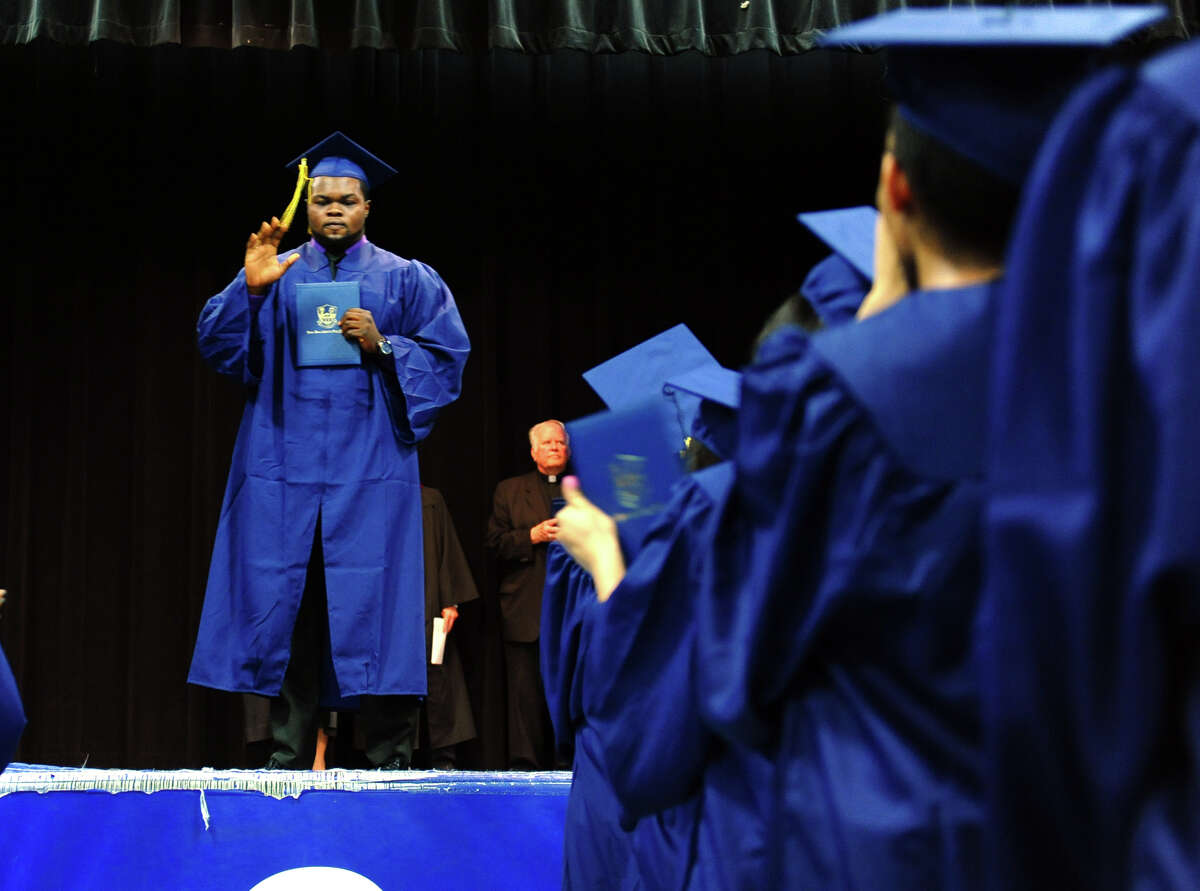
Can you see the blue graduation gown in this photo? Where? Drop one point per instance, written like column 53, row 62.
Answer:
column 655, row 799
column 1093, row 528
column 12, row 713
column 338, row 442
column 597, row 851
column 834, row 634
column 701, row 805
column 655, row 802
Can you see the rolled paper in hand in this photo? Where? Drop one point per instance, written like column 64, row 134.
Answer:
column 439, row 641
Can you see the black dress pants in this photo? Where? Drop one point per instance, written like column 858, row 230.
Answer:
column 389, row 722
column 530, row 733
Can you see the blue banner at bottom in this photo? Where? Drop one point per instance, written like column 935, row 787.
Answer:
column 459, row 831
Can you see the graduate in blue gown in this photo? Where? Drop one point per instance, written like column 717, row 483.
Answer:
column 602, row 848
column 614, row 671
column 324, row 480
column 1090, row 664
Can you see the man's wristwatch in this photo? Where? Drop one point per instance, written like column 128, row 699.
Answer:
column 384, row 347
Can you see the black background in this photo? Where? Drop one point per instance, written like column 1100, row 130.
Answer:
column 575, row 204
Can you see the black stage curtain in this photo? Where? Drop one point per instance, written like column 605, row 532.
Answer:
column 575, row 203
column 716, row 27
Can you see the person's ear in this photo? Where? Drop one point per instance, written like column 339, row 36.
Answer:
column 894, row 189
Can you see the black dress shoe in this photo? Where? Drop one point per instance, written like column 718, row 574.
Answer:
column 274, row 763
column 396, row 763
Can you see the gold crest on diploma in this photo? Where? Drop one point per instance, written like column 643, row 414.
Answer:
column 327, row 315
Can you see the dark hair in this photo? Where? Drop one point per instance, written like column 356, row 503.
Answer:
column 795, row 310
column 967, row 208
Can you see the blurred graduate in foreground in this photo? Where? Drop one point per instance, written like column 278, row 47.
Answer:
column 1090, row 666
column 830, row 674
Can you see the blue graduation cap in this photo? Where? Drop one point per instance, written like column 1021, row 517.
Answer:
column 335, row 155
column 657, row 393
column 711, row 395
column 849, row 231
column 339, row 155
column 661, row 392
column 712, row 382
column 638, row 374
column 673, row 364
column 987, row 81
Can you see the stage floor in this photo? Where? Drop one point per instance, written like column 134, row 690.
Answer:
column 81, row 828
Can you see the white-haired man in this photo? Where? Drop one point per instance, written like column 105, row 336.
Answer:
column 521, row 527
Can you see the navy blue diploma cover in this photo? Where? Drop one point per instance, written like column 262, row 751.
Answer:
column 319, row 338
column 627, row 461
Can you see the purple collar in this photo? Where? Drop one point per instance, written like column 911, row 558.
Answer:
column 349, row 250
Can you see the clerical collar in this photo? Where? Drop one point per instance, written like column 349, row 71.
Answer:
column 550, row 477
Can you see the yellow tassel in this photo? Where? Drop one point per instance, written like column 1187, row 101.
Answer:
column 301, row 181
column 308, row 198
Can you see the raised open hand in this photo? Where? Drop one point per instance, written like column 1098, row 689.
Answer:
column 262, row 256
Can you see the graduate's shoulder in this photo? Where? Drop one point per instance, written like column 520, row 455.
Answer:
column 707, row 485
column 383, row 259
column 1174, row 75
column 920, row 370
column 923, row 327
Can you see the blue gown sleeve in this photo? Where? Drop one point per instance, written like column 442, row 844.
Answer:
column 231, row 330
column 428, row 355
column 762, row 600
column 639, row 673
column 567, row 597
column 833, row 551
column 1089, row 661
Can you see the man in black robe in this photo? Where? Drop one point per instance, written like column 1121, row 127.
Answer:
column 520, row 528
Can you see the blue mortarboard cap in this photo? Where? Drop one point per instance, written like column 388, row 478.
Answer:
column 987, row 81
column 849, row 231
column 712, row 382
column 655, row 372
column 339, row 155
column 707, row 398
column 638, row 374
